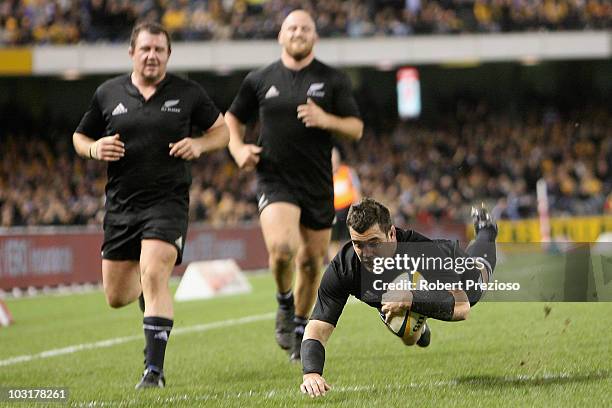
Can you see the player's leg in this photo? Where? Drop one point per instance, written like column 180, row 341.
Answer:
column 121, row 281
column 157, row 261
column 280, row 225
column 120, row 269
column 309, row 260
column 162, row 246
column 482, row 249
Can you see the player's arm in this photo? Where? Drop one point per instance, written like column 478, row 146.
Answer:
column 244, row 107
column 108, row 148
column 349, row 127
column 216, row 137
column 447, row 305
column 332, row 296
column 313, row 357
column 245, row 155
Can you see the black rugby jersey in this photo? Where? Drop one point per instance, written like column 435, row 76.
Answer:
column 343, row 276
column 147, row 174
column 292, row 153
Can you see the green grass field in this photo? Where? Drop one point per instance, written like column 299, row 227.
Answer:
column 506, row 354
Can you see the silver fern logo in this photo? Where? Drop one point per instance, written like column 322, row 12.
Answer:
column 316, row 89
column 170, row 106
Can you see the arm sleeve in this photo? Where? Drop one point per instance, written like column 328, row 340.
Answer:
column 245, row 106
column 92, row 123
column 331, row 297
column 205, row 113
column 344, row 104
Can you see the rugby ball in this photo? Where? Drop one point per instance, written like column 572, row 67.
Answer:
column 408, row 323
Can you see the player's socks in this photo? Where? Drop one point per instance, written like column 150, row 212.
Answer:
column 285, row 300
column 157, row 330
column 300, row 325
column 284, row 320
column 298, row 334
column 485, row 251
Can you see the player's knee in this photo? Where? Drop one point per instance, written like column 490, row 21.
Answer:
column 281, row 254
column 116, row 300
column 152, row 279
column 309, row 266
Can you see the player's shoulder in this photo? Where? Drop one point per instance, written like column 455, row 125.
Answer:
column 409, row 235
column 345, row 261
column 259, row 74
column 177, row 81
column 329, row 71
column 113, row 84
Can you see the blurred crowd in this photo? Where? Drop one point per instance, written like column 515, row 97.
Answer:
column 72, row 21
column 424, row 174
column 436, row 174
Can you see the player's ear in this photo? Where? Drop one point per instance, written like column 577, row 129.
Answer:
column 392, row 233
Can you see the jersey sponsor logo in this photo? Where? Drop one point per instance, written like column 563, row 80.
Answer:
column 170, row 106
column 272, row 92
column 316, row 89
column 119, row 110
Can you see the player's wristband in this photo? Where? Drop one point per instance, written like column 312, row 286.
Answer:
column 313, row 356
column 438, row 304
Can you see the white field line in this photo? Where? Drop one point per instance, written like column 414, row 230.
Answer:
column 295, row 393
column 120, row 340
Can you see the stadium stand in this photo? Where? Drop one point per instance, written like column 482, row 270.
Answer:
column 25, row 22
column 424, row 173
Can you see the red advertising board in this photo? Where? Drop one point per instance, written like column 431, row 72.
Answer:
column 53, row 256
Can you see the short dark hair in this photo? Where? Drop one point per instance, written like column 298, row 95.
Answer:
column 151, row 27
column 366, row 213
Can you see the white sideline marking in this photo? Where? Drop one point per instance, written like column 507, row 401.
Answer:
column 296, row 394
column 120, row 340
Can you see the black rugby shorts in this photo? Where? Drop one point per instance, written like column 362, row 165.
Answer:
column 317, row 213
column 122, row 241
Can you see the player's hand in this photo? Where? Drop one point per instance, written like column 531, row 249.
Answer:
column 312, row 115
column 314, row 385
column 395, row 303
column 186, row 149
column 247, row 156
column 108, row 148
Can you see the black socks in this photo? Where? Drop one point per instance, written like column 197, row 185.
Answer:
column 285, row 300
column 157, row 330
